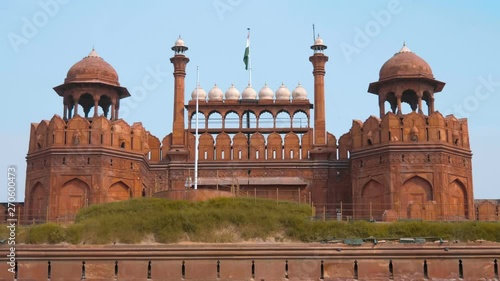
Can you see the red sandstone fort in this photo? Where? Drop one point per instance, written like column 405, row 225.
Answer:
column 397, row 165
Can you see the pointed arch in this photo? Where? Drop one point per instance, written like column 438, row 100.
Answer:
column 457, row 200
column 73, row 196
column 373, row 201
column 214, row 120
column 415, row 189
column 266, row 119
column 283, row 119
column 119, row 191
column 201, row 120
column 249, row 119
column 231, row 120
column 87, row 102
column 38, row 204
column 300, row 119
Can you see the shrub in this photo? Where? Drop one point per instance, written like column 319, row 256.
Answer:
column 46, row 233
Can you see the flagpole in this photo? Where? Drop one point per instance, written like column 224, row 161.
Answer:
column 196, row 130
column 249, row 61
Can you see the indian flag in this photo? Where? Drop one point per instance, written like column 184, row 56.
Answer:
column 246, row 57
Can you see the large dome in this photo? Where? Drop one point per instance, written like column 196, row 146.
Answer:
column 92, row 69
column 405, row 64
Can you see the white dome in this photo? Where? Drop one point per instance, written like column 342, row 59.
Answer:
column 232, row 93
column 249, row 93
column 202, row 95
column 266, row 93
column 179, row 42
column 283, row 93
column 215, row 93
column 319, row 41
column 299, row 93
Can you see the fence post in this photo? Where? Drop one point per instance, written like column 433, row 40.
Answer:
column 324, row 213
column 371, row 215
column 298, row 194
column 255, row 195
column 310, row 201
column 277, row 196
column 341, row 211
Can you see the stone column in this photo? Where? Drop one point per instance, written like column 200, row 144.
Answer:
column 398, row 100
column 179, row 61
column 96, row 106
column 319, row 60
column 419, row 105
column 381, row 105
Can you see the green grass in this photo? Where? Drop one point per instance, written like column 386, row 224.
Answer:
column 225, row 220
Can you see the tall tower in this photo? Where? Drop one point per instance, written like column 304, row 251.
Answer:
column 178, row 150
column 411, row 162
column 318, row 60
column 90, row 155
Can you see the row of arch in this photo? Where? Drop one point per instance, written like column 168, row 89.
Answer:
column 256, row 146
column 248, row 119
column 73, row 195
column 411, row 99
column 414, row 197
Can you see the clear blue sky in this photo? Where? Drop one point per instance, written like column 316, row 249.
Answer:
column 42, row 39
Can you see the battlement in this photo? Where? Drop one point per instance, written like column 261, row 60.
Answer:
column 95, row 132
column 410, row 128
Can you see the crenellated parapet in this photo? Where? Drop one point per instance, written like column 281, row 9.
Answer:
column 98, row 132
column 412, row 128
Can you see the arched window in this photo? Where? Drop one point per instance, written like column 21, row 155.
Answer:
column 300, row 120
column 283, row 120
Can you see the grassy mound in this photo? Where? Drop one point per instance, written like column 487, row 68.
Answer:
column 217, row 220
column 231, row 220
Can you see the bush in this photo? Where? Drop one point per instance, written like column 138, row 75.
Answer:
column 46, row 233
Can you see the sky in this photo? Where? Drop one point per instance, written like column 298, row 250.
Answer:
column 41, row 40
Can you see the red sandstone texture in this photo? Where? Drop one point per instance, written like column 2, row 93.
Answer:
column 445, row 261
column 399, row 165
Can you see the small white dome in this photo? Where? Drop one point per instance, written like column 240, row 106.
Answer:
column 266, row 93
column 215, row 93
column 319, row 41
column 202, row 95
column 299, row 93
column 179, row 42
column 249, row 93
column 283, row 93
column 232, row 93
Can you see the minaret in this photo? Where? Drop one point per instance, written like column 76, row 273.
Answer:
column 319, row 59
column 179, row 60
